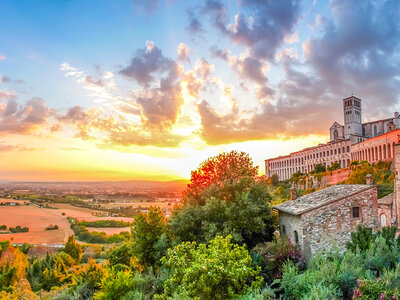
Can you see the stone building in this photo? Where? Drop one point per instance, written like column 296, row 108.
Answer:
column 354, row 140
column 328, row 217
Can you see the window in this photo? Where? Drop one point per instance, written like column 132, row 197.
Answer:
column 283, row 229
column 356, row 212
column 296, row 237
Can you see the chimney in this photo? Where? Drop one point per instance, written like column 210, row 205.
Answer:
column 293, row 193
column 370, row 179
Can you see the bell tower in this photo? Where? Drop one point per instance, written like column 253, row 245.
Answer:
column 352, row 117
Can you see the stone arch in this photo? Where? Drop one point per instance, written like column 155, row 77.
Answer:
column 382, row 220
column 384, row 151
column 296, row 237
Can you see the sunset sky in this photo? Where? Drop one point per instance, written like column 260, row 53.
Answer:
column 117, row 90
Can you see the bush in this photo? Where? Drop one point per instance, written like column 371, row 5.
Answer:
column 219, row 270
column 3, row 227
column 360, row 239
column 18, row 229
column 274, row 255
column 51, row 227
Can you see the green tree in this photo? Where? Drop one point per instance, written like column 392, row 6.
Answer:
column 361, row 239
column 219, row 270
column 273, row 180
column 149, row 235
column 121, row 254
column 334, row 166
column 73, row 249
column 225, row 196
column 319, row 168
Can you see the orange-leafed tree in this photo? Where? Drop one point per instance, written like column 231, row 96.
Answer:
column 225, row 196
column 13, row 264
column 221, row 176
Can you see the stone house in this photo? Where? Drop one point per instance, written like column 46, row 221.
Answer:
column 327, row 217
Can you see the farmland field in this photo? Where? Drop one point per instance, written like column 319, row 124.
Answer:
column 82, row 213
column 37, row 219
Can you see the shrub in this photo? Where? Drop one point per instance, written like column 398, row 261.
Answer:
column 360, row 239
column 18, row 229
column 274, row 254
column 219, row 270
column 51, row 227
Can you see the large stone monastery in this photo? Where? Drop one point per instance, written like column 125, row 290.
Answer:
column 371, row 141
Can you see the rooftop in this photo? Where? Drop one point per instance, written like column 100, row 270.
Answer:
column 320, row 198
column 387, row 199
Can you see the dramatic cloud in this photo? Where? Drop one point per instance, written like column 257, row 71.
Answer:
column 161, row 103
column 222, row 54
column 23, row 119
column 147, row 63
column 183, row 52
column 249, row 68
column 94, row 124
column 262, row 26
column 357, row 51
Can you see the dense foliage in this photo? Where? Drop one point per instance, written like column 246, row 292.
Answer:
column 225, row 197
column 95, row 237
column 219, row 270
column 104, row 223
column 382, row 175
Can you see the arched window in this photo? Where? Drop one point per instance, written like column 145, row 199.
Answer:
column 296, row 237
column 383, row 220
column 283, row 229
column 335, row 135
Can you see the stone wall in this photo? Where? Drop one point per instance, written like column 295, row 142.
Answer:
column 385, row 209
column 292, row 223
column 333, row 223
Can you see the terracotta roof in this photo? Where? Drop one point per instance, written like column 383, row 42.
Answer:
column 387, row 199
column 320, row 198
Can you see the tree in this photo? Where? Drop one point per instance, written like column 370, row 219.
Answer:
column 273, row 180
column 334, row 166
column 121, row 254
column 73, row 249
column 248, row 219
column 361, row 239
column 13, row 264
column 149, row 237
column 221, row 176
column 225, row 196
column 219, row 270
column 319, row 168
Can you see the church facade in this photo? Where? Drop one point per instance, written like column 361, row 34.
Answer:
column 371, row 141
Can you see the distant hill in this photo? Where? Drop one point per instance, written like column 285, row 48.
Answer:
column 128, row 185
